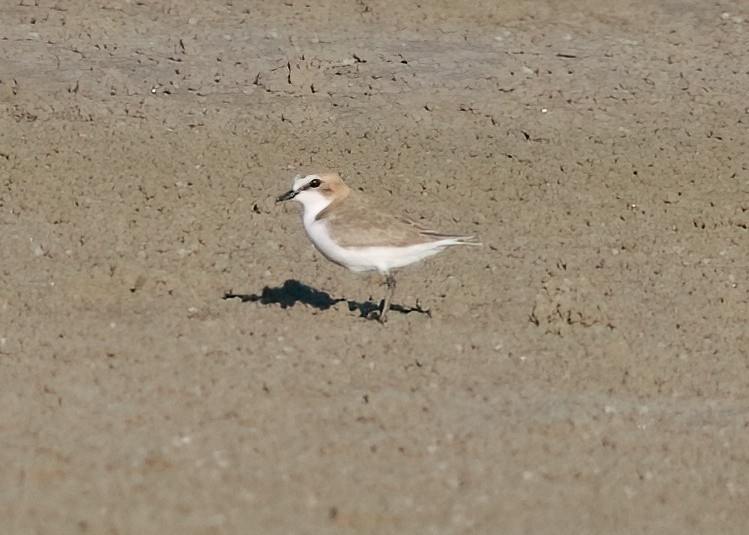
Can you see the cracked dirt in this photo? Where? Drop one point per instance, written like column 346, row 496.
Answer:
column 176, row 358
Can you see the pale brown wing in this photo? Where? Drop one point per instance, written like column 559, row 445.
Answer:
column 354, row 223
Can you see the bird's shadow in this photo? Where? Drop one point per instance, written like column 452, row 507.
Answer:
column 292, row 292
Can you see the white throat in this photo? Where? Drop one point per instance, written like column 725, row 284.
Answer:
column 313, row 203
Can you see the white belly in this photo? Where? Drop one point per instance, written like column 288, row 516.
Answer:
column 382, row 259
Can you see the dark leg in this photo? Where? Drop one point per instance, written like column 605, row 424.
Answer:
column 386, row 303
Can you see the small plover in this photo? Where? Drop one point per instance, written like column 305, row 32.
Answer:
column 349, row 232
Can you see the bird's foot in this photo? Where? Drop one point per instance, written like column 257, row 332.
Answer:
column 377, row 314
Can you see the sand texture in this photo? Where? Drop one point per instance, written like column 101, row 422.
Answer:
column 585, row 371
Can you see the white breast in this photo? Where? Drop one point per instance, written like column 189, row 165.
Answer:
column 380, row 258
column 317, row 230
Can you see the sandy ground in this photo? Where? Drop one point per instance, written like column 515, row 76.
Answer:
column 585, row 371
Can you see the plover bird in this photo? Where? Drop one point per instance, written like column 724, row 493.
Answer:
column 349, row 232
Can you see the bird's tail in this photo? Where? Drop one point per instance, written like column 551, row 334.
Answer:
column 467, row 240
column 451, row 239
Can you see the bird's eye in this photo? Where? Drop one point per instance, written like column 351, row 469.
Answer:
column 315, row 183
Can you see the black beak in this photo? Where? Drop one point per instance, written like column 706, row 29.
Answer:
column 287, row 196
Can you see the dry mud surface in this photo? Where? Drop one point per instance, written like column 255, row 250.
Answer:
column 585, row 371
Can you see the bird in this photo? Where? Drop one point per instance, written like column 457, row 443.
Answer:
column 347, row 230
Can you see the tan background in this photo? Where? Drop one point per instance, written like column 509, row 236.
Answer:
column 586, row 371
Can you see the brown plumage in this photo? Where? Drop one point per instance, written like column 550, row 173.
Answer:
column 365, row 225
